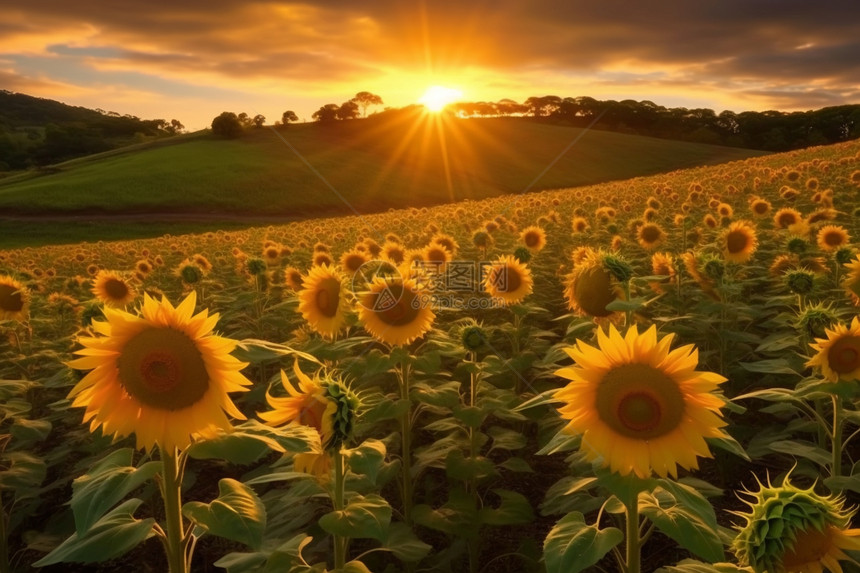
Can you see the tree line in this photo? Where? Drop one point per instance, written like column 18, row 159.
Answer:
column 766, row 130
column 36, row 131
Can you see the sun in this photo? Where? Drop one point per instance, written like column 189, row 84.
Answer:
column 435, row 98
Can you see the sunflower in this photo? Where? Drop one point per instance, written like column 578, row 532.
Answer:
column 446, row 241
column 113, row 289
column 14, row 299
column 786, row 217
column 638, row 406
column 739, row 242
column 832, row 238
column 590, row 287
column 436, row 257
column 293, row 278
column 760, row 207
column 838, row 355
column 693, row 264
column 162, row 375
column 710, row 221
column 534, row 238
column 650, row 236
column 393, row 252
column 322, row 258
column 851, row 282
column 392, row 310
column 352, row 260
column 508, row 279
column 306, row 405
column 662, row 264
column 322, row 300
column 579, row 225
column 793, row 530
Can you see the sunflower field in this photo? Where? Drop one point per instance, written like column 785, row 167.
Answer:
column 660, row 374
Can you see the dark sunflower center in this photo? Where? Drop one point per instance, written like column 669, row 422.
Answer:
column 532, row 239
column 639, row 401
column 396, row 256
column 506, row 279
column 11, row 299
column 810, row 546
column 760, row 208
column 737, row 241
column 394, row 305
column 116, row 289
column 163, row 368
column 787, row 219
column 327, row 296
column 844, row 356
column 436, row 255
column 651, row 234
column 593, row 291
column 833, row 239
column 353, row 262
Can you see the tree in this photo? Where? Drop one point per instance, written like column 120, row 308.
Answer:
column 289, row 116
column 176, row 126
column 348, row 110
column 326, row 113
column 259, row 120
column 365, row 100
column 244, row 120
column 227, row 125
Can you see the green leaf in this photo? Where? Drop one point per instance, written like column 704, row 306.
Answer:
column 692, row 566
column 457, row 466
column 572, row 545
column 470, row 416
column 515, row 509
column 288, row 556
column 25, row 474
column 445, row 395
column 111, row 536
column 106, row 484
column 236, row 514
column 456, row 517
column 632, row 305
column 367, row 459
column 689, row 498
column 24, row 430
column 354, row 567
column 379, row 407
column 690, row 530
column 401, row 541
column 625, row 487
column 516, row 465
column 542, row 399
column 803, row 449
column 730, row 445
column 506, row 439
column 237, row 447
column 242, row 562
column 259, row 351
column 772, row 366
column 841, row 483
column 363, row 517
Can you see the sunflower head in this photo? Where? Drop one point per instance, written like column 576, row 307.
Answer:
column 815, row 319
column 522, row 254
column 832, row 237
column 474, row 337
column 322, row 300
column 509, row 280
column 161, row 375
column 838, row 355
column 799, row 281
column 256, row 267
column 392, row 309
column 789, row 530
column 113, row 289
column 534, row 238
column 739, row 242
column 14, row 299
column 591, row 286
column 797, row 245
column 851, row 282
column 639, row 406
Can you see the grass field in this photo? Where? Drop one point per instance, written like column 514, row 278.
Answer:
column 367, row 165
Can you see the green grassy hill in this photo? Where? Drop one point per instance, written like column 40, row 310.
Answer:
column 397, row 159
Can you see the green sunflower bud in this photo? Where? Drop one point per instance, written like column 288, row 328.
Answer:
column 797, row 246
column 482, row 239
column 844, row 255
column 792, row 529
column 800, row 281
column 92, row 311
column 256, row 266
column 190, row 274
column 815, row 319
column 714, row 268
column 345, row 412
column 523, row 254
column 618, row 267
column 474, row 338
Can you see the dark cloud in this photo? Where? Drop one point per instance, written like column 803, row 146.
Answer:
column 787, row 46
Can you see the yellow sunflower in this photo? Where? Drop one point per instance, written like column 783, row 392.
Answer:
column 739, row 242
column 639, row 406
column 579, row 225
column 446, row 241
column 590, row 287
column 306, row 405
column 662, row 264
column 786, row 217
column 650, row 236
column 760, row 207
column 351, row 261
column 162, row 375
column 508, row 279
column 293, row 278
column 393, row 311
column 14, row 299
column 838, row 355
column 322, row 300
column 534, row 238
column 113, row 289
column 851, row 282
column 691, row 264
column 832, row 237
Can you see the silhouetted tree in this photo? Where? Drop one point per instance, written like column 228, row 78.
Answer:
column 259, row 120
column 244, row 120
column 348, row 110
column 365, row 100
column 227, row 125
column 289, row 116
column 326, row 113
column 175, row 126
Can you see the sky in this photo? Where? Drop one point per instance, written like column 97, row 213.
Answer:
column 192, row 59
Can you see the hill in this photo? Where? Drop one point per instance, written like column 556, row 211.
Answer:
column 402, row 159
column 36, row 131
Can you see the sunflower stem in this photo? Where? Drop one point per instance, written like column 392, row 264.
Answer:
column 406, row 444
column 4, row 547
column 172, row 495
column 633, row 540
column 836, row 466
column 340, row 542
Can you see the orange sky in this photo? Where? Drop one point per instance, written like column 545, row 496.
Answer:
column 191, row 60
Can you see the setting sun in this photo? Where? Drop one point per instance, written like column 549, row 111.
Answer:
column 437, row 97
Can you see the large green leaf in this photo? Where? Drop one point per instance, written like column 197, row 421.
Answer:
column 459, row 467
column 236, row 514
column 367, row 459
column 456, row 517
column 506, row 439
column 25, row 474
column 803, row 449
column 106, row 484
column 404, row 544
column 237, row 447
column 445, row 395
column 514, row 509
column 362, row 517
column 258, row 351
column 110, row 537
column 683, row 524
column 692, row 566
column 24, row 430
column 572, row 545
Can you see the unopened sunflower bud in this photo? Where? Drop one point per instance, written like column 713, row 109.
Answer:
column 800, row 281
